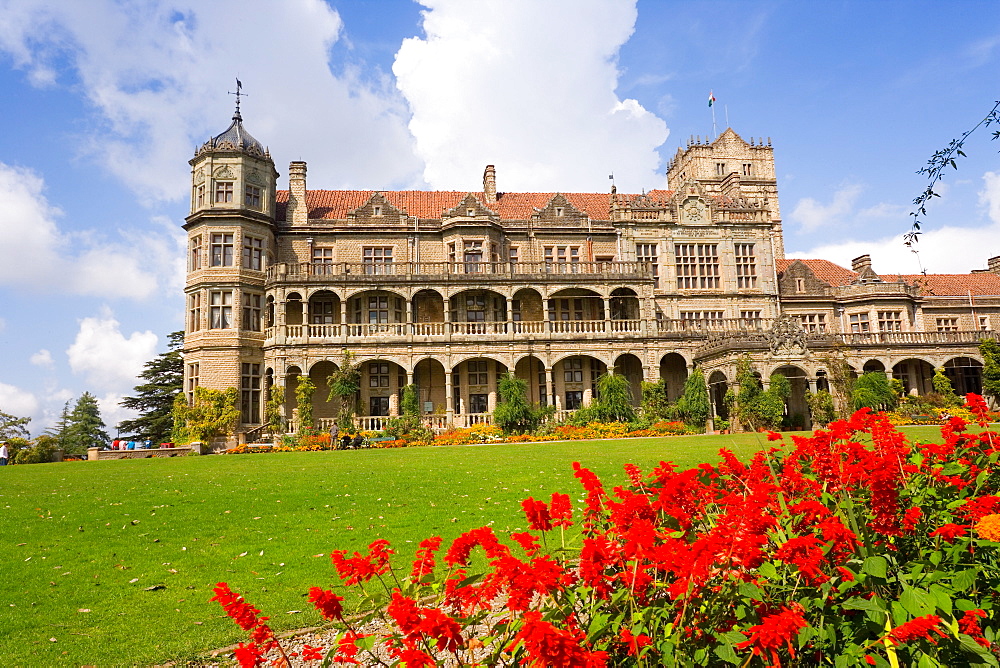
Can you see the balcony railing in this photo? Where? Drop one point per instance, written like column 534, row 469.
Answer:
column 394, row 271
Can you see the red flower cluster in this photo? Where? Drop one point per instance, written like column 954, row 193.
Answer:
column 247, row 617
column 921, row 627
column 328, row 603
column 362, row 567
column 775, row 631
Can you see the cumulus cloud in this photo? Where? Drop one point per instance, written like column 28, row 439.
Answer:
column 529, row 87
column 812, row 215
column 36, row 253
column 112, row 411
column 106, row 358
column 42, row 358
column 15, row 401
column 157, row 73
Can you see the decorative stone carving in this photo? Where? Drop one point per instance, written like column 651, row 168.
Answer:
column 255, row 177
column 694, row 211
column 199, row 177
column 787, row 337
column 224, row 172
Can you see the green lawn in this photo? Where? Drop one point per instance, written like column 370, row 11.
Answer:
column 82, row 544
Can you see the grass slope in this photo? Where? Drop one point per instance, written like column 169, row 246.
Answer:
column 82, row 544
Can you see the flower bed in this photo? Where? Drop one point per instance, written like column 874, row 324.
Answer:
column 850, row 547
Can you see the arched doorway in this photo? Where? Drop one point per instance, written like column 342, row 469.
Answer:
column 796, row 407
column 576, row 381
column 915, row 374
column 717, row 388
column 965, row 374
column 873, row 366
column 532, row 371
column 674, row 372
column 630, row 366
column 429, row 377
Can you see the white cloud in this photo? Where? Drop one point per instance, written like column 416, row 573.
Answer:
column 105, row 357
column 157, row 73
column 112, row 411
column 529, row 87
column 15, row 401
column 42, row 358
column 37, row 254
column 812, row 215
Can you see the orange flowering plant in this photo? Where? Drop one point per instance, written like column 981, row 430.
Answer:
column 849, row 547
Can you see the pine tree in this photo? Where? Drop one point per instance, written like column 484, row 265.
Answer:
column 58, row 430
column 12, row 426
column 86, row 428
column 164, row 379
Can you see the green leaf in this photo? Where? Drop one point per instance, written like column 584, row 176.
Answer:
column 876, row 566
column 964, row 580
column 858, row 603
column 768, row 570
column 750, row 590
column 916, row 602
column 726, row 653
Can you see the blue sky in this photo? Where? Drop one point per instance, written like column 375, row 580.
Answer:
column 105, row 101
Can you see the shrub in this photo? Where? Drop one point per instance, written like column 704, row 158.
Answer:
column 614, row 403
column 694, row 406
column 872, row 390
column 513, row 413
column 821, row 407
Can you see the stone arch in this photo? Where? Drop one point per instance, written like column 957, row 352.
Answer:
column 624, row 304
column 429, row 375
column 916, row 375
column 293, row 309
column 574, row 305
column 630, row 366
column 527, row 307
column 324, row 308
column 965, row 374
column 473, row 309
column 382, row 383
column 428, row 306
column 674, row 372
column 531, row 369
column 873, row 365
column 576, row 380
column 375, row 307
column 474, row 384
column 796, row 408
column 318, row 373
column 292, row 372
column 718, row 385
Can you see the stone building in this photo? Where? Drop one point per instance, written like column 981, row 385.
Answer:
column 449, row 290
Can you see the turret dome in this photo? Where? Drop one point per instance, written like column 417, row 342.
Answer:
column 235, row 139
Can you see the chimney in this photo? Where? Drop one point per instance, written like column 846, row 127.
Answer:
column 490, row 183
column 296, row 213
column 993, row 264
column 861, row 263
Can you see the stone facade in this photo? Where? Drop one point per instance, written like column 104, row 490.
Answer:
column 450, row 290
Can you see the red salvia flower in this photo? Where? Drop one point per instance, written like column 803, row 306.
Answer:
column 552, row 647
column 310, row 653
column 249, row 655
column 969, row 625
column 241, row 612
column 362, row 567
column 634, row 642
column 561, row 510
column 921, row 627
column 328, row 603
column 911, row 518
column 424, row 564
column 949, row 532
column 538, row 515
column 347, row 648
column 527, row 541
column 977, row 406
column 774, row 632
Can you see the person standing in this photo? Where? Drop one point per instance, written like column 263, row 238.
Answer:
column 4, row 454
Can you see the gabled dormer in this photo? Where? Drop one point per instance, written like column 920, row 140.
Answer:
column 560, row 211
column 377, row 211
column 799, row 280
column 471, row 209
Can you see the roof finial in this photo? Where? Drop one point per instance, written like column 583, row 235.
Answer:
column 239, row 92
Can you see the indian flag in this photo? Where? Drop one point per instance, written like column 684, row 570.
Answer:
column 711, row 98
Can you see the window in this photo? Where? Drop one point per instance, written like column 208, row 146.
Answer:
column 252, row 196
column 720, row 169
column 222, row 250
column 378, row 309
column 697, row 266
column 199, row 196
column 250, row 393
column 223, row 192
column 221, row 309
column 376, row 210
column 513, row 254
column 456, row 396
column 322, row 261
column 193, row 370
column 751, row 317
column 565, row 309
column 377, row 259
column 478, row 403
column 573, row 370
column 451, row 252
column 890, row 321
column 378, row 406
column 984, row 323
column 194, row 258
column 813, row 322
column 378, row 374
column 472, row 255
column 251, row 311
column 253, row 253
column 563, row 255
column 747, row 168
column 860, row 323
column 515, row 310
column 800, row 285
column 322, row 312
column 471, row 213
column 746, row 266
column 478, row 374
column 559, row 211
column 574, row 399
column 647, row 253
column 542, row 386
column 947, row 324
column 194, row 312
column 475, row 308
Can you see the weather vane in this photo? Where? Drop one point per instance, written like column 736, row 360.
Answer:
column 239, row 92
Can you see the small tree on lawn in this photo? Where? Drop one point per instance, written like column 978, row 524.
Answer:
column 304, row 390
column 513, row 413
column 872, row 390
column 821, row 407
column 615, row 399
column 655, row 405
column 345, row 383
column 749, row 389
column 274, row 409
column 694, row 405
column 990, row 350
column 212, row 414
column 163, row 378
column 942, row 385
column 58, row 430
column 86, row 428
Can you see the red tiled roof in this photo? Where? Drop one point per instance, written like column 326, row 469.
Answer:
column 951, row 285
column 336, row 204
column 824, row 270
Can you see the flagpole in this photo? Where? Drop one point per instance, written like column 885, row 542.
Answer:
column 715, row 131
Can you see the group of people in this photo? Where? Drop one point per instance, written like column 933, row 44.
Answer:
column 346, row 442
column 133, row 445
